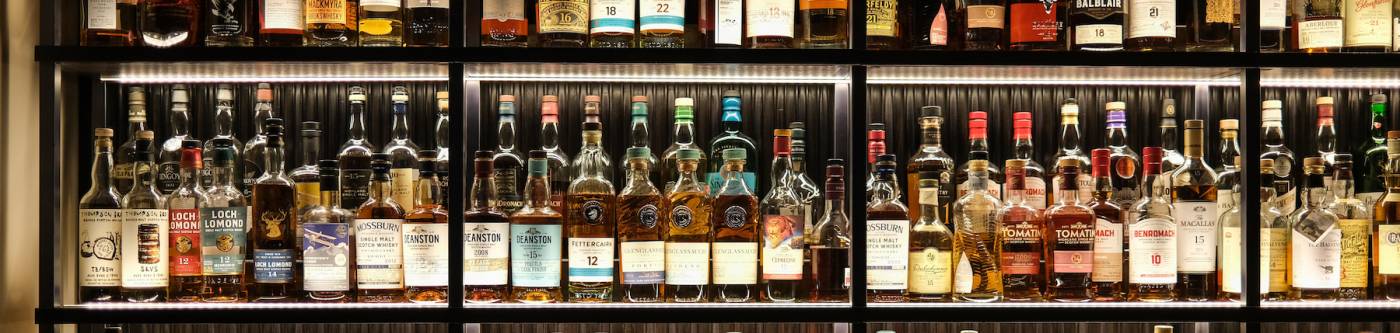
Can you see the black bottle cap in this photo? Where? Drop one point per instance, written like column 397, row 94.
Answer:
column 380, row 157
column 931, row 111
column 428, row 154
column 189, row 144
column 486, row 154
column 538, row 154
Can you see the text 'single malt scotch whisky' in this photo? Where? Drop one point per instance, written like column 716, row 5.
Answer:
column 145, row 229
column 100, row 229
column 379, row 240
column 887, row 237
column 331, row 23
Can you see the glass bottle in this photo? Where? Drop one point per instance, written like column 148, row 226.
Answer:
column 255, row 151
column 985, row 25
column 930, row 157
column 612, row 23
column 1070, row 240
column 875, row 146
column 223, row 129
column 145, row 227
column 688, row 235
column 1195, row 212
column 307, row 176
column 184, row 205
column 1369, row 186
column 224, row 234
column 977, row 149
column 806, row 189
column 930, row 248
column 1326, row 139
column 227, row 23
column 1273, row 22
column 1354, row 221
column 770, row 24
column 640, row 136
column 354, row 155
column 1367, row 27
column 1123, row 162
column 282, row 22
column 662, row 24
column 536, row 234
column 1318, row 25
column 782, row 233
column 168, row 164
column 593, row 113
column 486, row 238
column 507, row 164
column 722, row 24
column 1386, row 236
column 428, row 22
column 169, row 23
column 425, row 237
column 732, row 137
column 1273, row 238
column 1098, row 25
column 1171, row 156
column 683, row 133
column 1038, row 25
column 977, row 245
column 379, row 240
column 1152, row 24
column 442, row 138
column 126, row 172
column 1023, row 239
column 829, row 276
column 1110, row 243
column 1315, row 251
column 109, row 22
column 822, row 24
column 503, row 23
column 1034, row 191
column 1229, row 146
column 326, row 236
column 884, row 25
column 1215, row 23
column 1275, row 149
column 1225, row 183
column 1070, row 150
column 887, row 237
column 558, row 160
column 942, row 22
column 734, row 248
column 641, row 239
column 590, row 220
column 1231, row 246
column 562, row 23
column 331, row 23
column 273, row 216
column 403, row 153
column 381, row 23
column 1152, row 233
column 100, row 229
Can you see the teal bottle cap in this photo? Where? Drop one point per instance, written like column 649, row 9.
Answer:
column 638, row 153
column 734, row 154
column 688, row 154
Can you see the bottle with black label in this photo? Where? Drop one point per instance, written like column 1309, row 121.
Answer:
column 354, row 156
column 168, row 169
column 1098, row 25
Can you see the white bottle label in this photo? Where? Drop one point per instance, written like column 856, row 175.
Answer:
column 1098, row 34
column 662, row 15
column 1152, row 256
column 643, row 262
column 770, row 18
column 931, row 271
column 402, row 183
column 1197, row 233
column 1388, row 249
column 379, row 253
column 590, row 259
column 729, row 22
column 381, row 4
column 1273, row 14
column 782, row 247
column 425, row 254
column 99, row 247
column 1319, row 34
column 687, row 263
column 1367, row 22
column 285, row 14
column 428, row 3
column 1317, row 263
column 962, row 276
column 144, row 247
column 612, row 16
column 325, row 257
column 1151, row 18
column 537, row 250
column 1035, row 193
column 887, row 254
column 735, row 262
column 485, row 253
column 1108, row 251
column 1231, row 244
column 102, row 14
column 502, row 10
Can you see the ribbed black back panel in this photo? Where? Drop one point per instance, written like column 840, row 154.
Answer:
column 765, row 107
column 1351, row 113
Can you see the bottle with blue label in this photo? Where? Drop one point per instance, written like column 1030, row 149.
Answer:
column 732, row 137
column 325, row 245
column 536, row 239
column 273, row 216
column 592, row 212
column 612, row 23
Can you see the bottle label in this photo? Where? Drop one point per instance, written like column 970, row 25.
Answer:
column 537, row 249
column 1317, row 261
column 1274, row 259
column 881, row 18
column 716, row 180
column 938, row 29
column 993, row 188
column 286, row 14
column 1230, row 246
column 485, row 253
column 782, row 247
column 1388, row 249
column 1356, row 252
column 1319, row 34
column 326, row 257
column 887, row 254
column 184, row 242
column 1273, row 14
column 986, row 16
column 1151, row 18
column 379, row 253
column 425, row 254
column 1108, row 251
column 1225, row 199
column 1087, row 34
column 144, row 232
column 1035, row 193
column 643, row 262
column 735, row 262
column 729, row 24
column 354, row 187
column 687, row 263
column 770, row 18
column 962, row 276
column 402, row 183
column 383, row 3
column 273, row 266
column 102, row 14
column 682, row 217
column 1073, row 247
column 735, row 217
column 224, row 19
column 930, row 271
column 99, row 256
column 508, row 197
column 563, row 16
column 612, row 16
column 1153, row 245
column 1367, row 22
column 1086, row 185
column 326, row 12
column 1196, row 235
column 308, row 194
column 1021, row 235
column 427, row 4
column 1035, row 22
column 167, row 177
column 123, row 173
column 590, row 259
column 665, row 15
column 503, row 10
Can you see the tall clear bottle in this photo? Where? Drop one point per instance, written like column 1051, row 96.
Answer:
column 507, row 165
column 354, row 155
column 184, row 205
column 688, row 233
column 1152, row 233
column 590, row 219
column 223, row 129
column 425, row 237
column 1070, row 150
column 124, row 174
column 1354, row 221
column 782, row 235
column 1023, row 238
column 829, row 273
column 536, row 239
column 683, row 134
column 1195, row 211
column 255, row 152
column 930, row 157
column 558, row 160
column 326, row 237
column 887, row 237
column 1275, row 149
column 734, row 249
column 403, row 153
column 640, row 235
column 486, row 239
column 168, row 166
column 100, row 228
column 1315, row 252
column 224, row 233
column 145, row 228
column 379, row 240
column 1123, row 162
column 1110, row 243
column 273, row 216
column 1374, row 154
column 977, row 244
column 732, row 137
column 1385, row 238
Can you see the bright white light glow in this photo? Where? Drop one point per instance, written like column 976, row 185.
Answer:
column 658, row 306
column 662, row 79
column 1329, row 83
column 1388, row 305
column 244, row 79
column 967, row 81
column 241, row 306
column 1051, row 305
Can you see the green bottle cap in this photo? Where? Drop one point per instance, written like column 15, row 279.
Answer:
column 638, row 153
column 688, row 154
column 539, row 167
column 734, row 154
column 685, row 108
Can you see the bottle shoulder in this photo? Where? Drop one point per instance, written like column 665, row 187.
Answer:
column 485, row 215
column 356, row 148
column 401, row 148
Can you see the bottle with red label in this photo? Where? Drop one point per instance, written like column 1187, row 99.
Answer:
column 186, row 270
column 1024, row 149
column 1038, row 25
column 1022, row 238
column 1109, row 242
column 1069, row 244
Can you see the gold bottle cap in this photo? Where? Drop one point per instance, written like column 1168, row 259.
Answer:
column 1067, row 163
column 1312, row 165
column 146, row 135
column 1324, row 100
column 102, row 132
column 1266, row 164
column 782, row 132
column 1015, row 164
column 1162, row 329
column 1229, row 124
column 977, row 165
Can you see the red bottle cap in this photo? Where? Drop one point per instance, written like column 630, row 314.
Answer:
column 1023, row 115
column 977, row 115
column 977, row 129
column 1099, row 158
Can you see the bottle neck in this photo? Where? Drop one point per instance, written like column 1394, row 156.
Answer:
column 1273, row 133
column 261, row 112
column 977, row 181
column 400, row 131
column 638, row 172
column 932, row 136
column 1117, row 136
column 1378, row 122
column 273, row 156
column 1069, row 135
column 483, row 193
column 733, row 174
column 222, row 174
column 685, row 131
column 357, row 120
column 223, row 119
column 506, row 133
column 428, row 192
column 886, row 185
column 1015, row 187
column 640, row 134
column 1069, row 188
column 1316, row 192
column 977, row 144
column 179, row 120
column 781, row 172
column 102, row 165
column 549, row 136
column 189, row 177
column 1326, row 135
column 1024, row 149
column 537, row 191
column 380, row 188
column 1169, row 136
column 835, row 205
column 443, row 132
column 143, row 162
column 330, row 191
column 928, row 201
column 1342, row 186
column 310, row 150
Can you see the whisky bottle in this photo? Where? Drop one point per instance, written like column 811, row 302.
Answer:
column 503, row 23
column 1367, row 26
column 887, row 237
column 783, row 236
column 1273, row 238
column 1152, row 25
column 562, row 23
column 770, row 24
column 145, row 229
column 1227, row 199
column 100, row 229
column 1171, row 156
column 688, row 234
column 354, row 155
column 985, row 25
column 590, row 219
column 402, row 153
column 1273, row 21
column 442, row 138
column 507, row 165
column 228, row 23
column 734, row 251
column 486, row 241
column 1225, row 183
column 722, row 23
column 640, row 137
column 1098, row 25
column 326, row 237
column 1318, row 25
column 536, row 238
column 126, row 172
column 1110, row 243
column 255, row 151
column 1023, row 239
column 612, row 23
column 822, row 24
column 1326, row 140
column 184, row 205
column 558, row 160
column 641, row 239
column 1214, row 24
column 1194, row 210
column 930, row 157
column 1315, row 251
column 1038, row 25
column 874, row 147
column 806, row 189
column 936, row 24
column 307, row 176
column 1386, row 235
column 662, row 24
column 1152, row 236
column 683, row 133
column 1275, row 149
column 593, row 113
column 1229, row 146
column 1354, row 221
column 884, row 25
column 1071, row 151
column 1369, row 184
column 223, row 129
column 428, row 22
column 169, row 23
column 381, row 23
column 732, row 137
column 1070, row 241
column 224, row 229
column 977, row 149
column 379, row 240
column 1034, row 192
column 425, row 237
column 109, row 22
column 976, row 242
column 168, row 164
column 1123, row 162
column 282, row 22
column 930, row 248
column 829, row 273
column 274, row 219
column 331, row 23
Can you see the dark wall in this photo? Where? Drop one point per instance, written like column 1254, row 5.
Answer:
column 1351, row 113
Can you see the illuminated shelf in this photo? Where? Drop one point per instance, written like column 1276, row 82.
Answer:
column 1054, row 75
column 1344, row 77
column 1335, row 60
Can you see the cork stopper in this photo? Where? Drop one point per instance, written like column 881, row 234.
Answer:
column 592, row 99
column 264, row 93
column 145, row 135
column 102, row 132
column 734, row 154
column 443, row 95
column 688, row 154
column 1324, row 100
column 136, row 96
column 179, row 94
column 1069, row 108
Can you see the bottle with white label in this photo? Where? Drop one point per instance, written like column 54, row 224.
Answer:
column 1152, row 237
column 1194, row 209
column 1386, row 236
column 110, row 22
column 640, row 236
column 325, row 239
column 770, row 24
column 612, row 23
column 1110, row 245
column 224, row 229
column 735, row 224
column 688, row 234
column 1319, row 27
column 1098, row 25
column 1354, row 221
column 1273, row 239
column 379, row 240
column 100, row 229
column 722, row 23
column 930, row 247
column 1273, row 20
column 1367, row 25
column 1151, row 25
column 783, row 224
column 403, row 153
column 536, row 238
column 145, row 226
column 887, row 237
column 591, row 216
column 485, row 238
column 1275, row 149
column 425, row 237
column 1316, row 248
